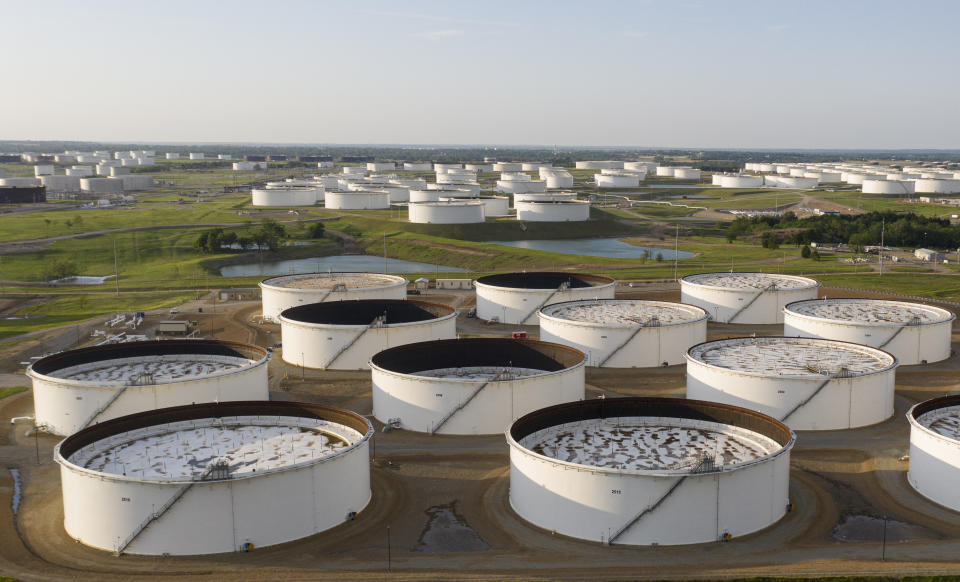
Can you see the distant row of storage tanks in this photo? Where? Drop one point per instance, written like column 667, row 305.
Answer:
column 704, row 454
column 872, row 179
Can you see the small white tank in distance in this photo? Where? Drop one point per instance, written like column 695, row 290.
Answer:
column 279, row 196
column 214, row 478
column 517, row 297
column 665, row 171
column 790, row 182
column 373, row 200
column 355, row 170
column 912, row 332
column 686, row 173
column 426, row 196
column 645, row 167
column 381, row 166
column 749, row 298
column 61, row 183
column 286, row 291
column 767, row 168
column 625, row 333
column 507, row 167
column 446, row 212
column 101, row 185
column 515, row 185
column 478, row 167
column 741, row 181
column 618, row 180
column 417, row 166
column 43, row 170
column 649, row 471
column 553, row 211
column 474, row 385
column 808, row 383
column 544, row 197
column 196, row 156
column 345, row 334
column 79, row 171
column 599, row 165
column 492, row 205
column 935, row 450
column 21, row 182
column 172, row 156
column 78, row 388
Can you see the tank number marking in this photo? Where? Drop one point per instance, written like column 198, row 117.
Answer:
column 79, row 397
column 124, row 499
column 615, row 491
column 439, row 395
column 781, row 391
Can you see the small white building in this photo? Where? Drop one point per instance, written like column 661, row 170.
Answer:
column 928, row 255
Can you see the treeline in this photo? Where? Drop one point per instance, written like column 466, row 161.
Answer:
column 268, row 235
column 902, row 230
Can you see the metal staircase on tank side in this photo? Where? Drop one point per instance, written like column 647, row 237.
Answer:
column 498, row 376
column 144, row 379
column 768, row 288
column 653, row 321
column 565, row 286
column 379, row 322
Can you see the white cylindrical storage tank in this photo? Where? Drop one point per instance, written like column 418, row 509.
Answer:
column 741, row 181
column 345, row 334
column 472, row 386
column 557, row 180
column 553, row 211
column 478, row 167
column 754, row 298
column 517, row 297
column 649, row 471
column 281, row 293
column 686, row 173
column 78, row 388
column 61, row 183
column 665, row 171
column 492, row 205
column 935, row 450
column 623, row 180
column 599, row 165
column 445, row 212
column 625, row 333
column 913, row 333
column 790, row 182
column 545, row 197
column 354, row 170
column 22, row 182
column 521, row 186
column 285, row 196
column 196, row 156
column 783, row 169
column 425, row 195
column 507, row 167
column 827, row 176
column 417, row 166
column 933, row 186
column 101, row 185
column 115, row 171
column 442, row 168
column 226, row 157
column 43, row 170
column 214, row 478
column 798, row 172
column 808, row 383
column 411, row 183
column 381, row 166
column 137, row 182
column 173, row 156
column 357, row 200
column 715, row 179
column 244, row 166
column 767, row 168
column 533, row 166
column 853, row 178
column 645, row 167
column 470, row 188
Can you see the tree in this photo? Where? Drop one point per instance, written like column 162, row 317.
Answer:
column 769, row 241
column 315, row 230
column 61, row 269
column 659, row 257
column 857, row 241
column 815, row 255
column 645, row 256
column 805, row 252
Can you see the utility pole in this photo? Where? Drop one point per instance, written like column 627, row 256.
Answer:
column 676, row 255
column 384, row 253
column 883, row 228
column 116, row 267
column 389, row 565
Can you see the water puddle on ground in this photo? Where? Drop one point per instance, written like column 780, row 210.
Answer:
column 17, row 494
column 448, row 532
column 865, row 528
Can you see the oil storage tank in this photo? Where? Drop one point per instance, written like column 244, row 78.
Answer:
column 517, row 297
column 912, row 332
column 279, row 196
column 344, row 335
column 211, row 478
column 369, row 200
column 286, row 291
column 625, row 333
column 78, row 388
column 474, row 385
column 808, row 383
column 649, row 471
column 447, row 212
column 750, row 298
column 742, row 181
column 553, row 210
column 935, row 450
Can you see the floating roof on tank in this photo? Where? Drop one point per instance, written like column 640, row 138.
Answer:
column 548, row 281
column 473, row 352
column 365, row 311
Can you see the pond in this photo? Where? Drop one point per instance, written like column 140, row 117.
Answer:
column 594, row 247
column 336, row 263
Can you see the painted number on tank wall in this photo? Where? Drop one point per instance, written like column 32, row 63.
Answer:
column 615, row 492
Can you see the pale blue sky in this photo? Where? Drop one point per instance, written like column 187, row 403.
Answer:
column 805, row 74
